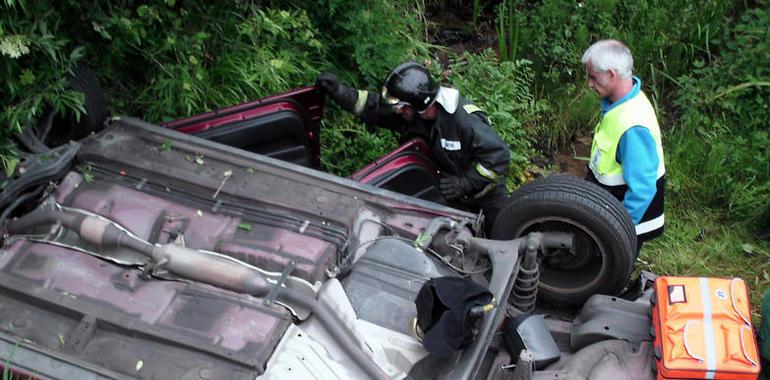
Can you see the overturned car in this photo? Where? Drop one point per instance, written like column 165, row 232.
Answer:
column 194, row 250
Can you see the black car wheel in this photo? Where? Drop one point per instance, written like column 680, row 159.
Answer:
column 604, row 244
column 84, row 80
column 57, row 129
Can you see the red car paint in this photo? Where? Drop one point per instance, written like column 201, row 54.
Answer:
column 307, row 101
column 410, row 153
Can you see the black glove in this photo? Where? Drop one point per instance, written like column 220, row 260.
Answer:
column 344, row 96
column 452, row 187
column 328, row 83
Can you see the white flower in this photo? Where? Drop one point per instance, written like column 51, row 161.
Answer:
column 14, row 45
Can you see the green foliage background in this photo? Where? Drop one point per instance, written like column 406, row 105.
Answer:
column 704, row 66
column 161, row 60
column 504, row 91
column 703, row 63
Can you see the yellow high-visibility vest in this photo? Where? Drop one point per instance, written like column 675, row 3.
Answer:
column 636, row 111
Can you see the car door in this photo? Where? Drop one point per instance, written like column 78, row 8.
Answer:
column 408, row 170
column 284, row 126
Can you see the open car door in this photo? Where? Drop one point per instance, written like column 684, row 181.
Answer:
column 284, row 126
column 407, row 170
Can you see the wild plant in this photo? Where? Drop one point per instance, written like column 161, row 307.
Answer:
column 503, row 89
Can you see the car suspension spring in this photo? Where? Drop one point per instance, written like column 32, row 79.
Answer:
column 524, row 294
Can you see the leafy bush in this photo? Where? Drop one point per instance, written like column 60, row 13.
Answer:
column 348, row 145
column 368, row 38
column 365, row 41
column 35, row 62
column 157, row 60
column 504, row 91
column 720, row 151
column 179, row 59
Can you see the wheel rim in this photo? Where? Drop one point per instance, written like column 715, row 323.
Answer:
column 574, row 273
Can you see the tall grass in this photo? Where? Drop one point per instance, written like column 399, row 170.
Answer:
column 476, row 11
column 663, row 36
column 507, row 30
column 8, row 373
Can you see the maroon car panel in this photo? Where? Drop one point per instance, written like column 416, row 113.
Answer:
column 413, row 152
column 232, row 333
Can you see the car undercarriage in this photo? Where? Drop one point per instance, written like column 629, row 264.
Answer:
column 156, row 254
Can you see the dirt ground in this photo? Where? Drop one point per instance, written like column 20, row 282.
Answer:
column 573, row 159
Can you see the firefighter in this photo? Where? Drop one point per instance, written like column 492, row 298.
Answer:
column 473, row 159
column 627, row 152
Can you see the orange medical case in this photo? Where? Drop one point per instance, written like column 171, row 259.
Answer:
column 703, row 329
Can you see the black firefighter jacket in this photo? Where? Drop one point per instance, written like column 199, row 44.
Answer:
column 460, row 137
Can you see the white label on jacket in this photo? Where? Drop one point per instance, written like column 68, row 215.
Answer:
column 450, row 145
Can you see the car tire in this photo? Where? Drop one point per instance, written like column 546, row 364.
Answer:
column 96, row 102
column 604, row 243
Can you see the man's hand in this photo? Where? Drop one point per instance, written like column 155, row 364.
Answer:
column 328, row 83
column 453, row 188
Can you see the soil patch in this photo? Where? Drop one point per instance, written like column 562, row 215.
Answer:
column 573, row 159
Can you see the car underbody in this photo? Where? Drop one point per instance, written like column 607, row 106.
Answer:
column 163, row 255
column 212, row 247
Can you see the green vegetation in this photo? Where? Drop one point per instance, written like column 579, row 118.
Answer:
column 699, row 242
column 507, row 30
column 503, row 89
column 8, row 373
column 35, row 60
column 703, row 64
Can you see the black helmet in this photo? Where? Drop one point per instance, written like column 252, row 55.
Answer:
column 409, row 83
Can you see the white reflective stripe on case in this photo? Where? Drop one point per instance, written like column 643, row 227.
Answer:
column 743, row 345
column 732, row 301
column 708, row 329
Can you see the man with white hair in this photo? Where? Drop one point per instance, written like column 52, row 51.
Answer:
column 627, row 152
